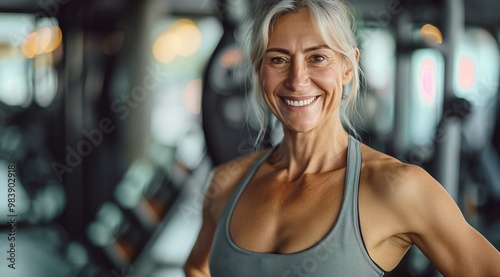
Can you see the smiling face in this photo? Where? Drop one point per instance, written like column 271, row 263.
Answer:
column 301, row 76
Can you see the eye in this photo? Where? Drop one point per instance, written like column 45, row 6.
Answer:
column 278, row 60
column 318, row 58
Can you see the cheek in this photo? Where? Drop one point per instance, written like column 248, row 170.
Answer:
column 329, row 80
column 265, row 82
column 268, row 81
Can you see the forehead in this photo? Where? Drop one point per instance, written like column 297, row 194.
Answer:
column 295, row 26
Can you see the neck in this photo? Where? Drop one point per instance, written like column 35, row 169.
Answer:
column 319, row 150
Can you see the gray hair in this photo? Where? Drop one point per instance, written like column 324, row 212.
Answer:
column 334, row 20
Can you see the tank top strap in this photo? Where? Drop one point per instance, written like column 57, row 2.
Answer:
column 350, row 205
column 352, row 178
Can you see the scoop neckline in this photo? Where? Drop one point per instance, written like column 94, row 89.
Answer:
column 300, row 252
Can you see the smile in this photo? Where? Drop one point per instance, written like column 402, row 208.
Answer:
column 300, row 103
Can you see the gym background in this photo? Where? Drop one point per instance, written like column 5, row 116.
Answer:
column 113, row 113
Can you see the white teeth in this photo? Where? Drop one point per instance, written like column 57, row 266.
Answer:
column 300, row 103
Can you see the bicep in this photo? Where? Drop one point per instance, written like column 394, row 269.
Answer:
column 439, row 229
column 197, row 262
column 221, row 184
column 459, row 252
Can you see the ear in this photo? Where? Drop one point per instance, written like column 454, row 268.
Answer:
column 348, row 68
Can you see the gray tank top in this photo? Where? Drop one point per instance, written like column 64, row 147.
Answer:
column 340, row 253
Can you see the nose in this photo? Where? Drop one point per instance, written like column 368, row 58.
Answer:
column 298, row 76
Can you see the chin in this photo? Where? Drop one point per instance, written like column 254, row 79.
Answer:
column 300, row 124
column 300, row 129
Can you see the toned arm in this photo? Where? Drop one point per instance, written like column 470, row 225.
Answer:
column 437, row 227
column 197, row 262
column 221, row 185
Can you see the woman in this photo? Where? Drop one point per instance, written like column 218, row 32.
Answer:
column 321, row 203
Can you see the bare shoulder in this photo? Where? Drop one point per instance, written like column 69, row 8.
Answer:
column 389, row 174
column 407, row 190
column 224, row 180
column 385, row 171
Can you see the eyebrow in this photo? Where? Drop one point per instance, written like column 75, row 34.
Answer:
column 285, row 51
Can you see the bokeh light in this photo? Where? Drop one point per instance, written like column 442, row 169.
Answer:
column 192, row 96
column 182, row 38
column 431, row 34
column 42, row 41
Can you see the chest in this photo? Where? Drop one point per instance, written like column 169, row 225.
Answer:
column 273, row 216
